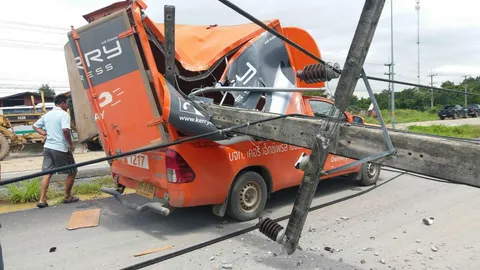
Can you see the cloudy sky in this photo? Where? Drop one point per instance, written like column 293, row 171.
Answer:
column 33, row 33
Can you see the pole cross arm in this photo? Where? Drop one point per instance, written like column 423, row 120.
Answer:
column 440, row 157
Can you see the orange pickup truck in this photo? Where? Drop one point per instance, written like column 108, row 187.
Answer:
column 118, row 61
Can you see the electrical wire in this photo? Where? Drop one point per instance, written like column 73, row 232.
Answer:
column 248, row 229
column 36, row 25
column 140, row 150
column 451, row 182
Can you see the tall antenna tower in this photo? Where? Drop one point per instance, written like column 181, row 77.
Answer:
column 417, row 7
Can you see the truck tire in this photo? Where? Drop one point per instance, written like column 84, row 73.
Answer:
column 248, row 197
column 368, row 174
column 4, row 147
column 94, row 146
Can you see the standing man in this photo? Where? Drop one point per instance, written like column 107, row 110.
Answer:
column 58, row 148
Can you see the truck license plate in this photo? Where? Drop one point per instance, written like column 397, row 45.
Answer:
column 146, row 189
column 138, row 160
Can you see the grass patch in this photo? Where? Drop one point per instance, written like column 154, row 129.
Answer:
column 462, row 131
column 92, row 187
column 404, row 116
column 29, row 190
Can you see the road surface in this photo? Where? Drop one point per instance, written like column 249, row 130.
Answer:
column 386, row 222
column 14, row 166
column 446, row 122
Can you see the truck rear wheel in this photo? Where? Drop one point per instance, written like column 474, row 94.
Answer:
column 4, row 147
column 368, row 174
column 248, row 197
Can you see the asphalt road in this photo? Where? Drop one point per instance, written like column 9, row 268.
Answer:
column 387, row 220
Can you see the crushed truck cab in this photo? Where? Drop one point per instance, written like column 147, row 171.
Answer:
column 118, row 60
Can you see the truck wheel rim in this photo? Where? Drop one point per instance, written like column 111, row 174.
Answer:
column 371, row 170
column 250, row 197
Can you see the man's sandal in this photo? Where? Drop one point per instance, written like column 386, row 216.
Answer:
column 71, row 200
column 42, row 204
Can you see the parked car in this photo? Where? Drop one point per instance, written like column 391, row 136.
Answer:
column 452, row 111
column 473, row 110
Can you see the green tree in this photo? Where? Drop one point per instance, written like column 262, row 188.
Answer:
column 47, row 90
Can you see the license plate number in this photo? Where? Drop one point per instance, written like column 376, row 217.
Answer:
column 138, row 160
column 146, row 189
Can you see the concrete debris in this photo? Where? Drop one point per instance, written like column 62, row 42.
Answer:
column 299, row 263
column 419, row 251
column 258, row 259
column 372, row 238
column 376, row 253
column 340, row 260
column 230, row 241
column 212, row 258
column 53, row 249
column 316, row 249
column 368, row 249
column 405, row 231
column 362, row 261
column 418, row 241
column 331, row 250
column 382, row 261
column 227, row 266
column 434, row 248
column 428, row 221
column 246, row 253
column 345, row 218
column 430, row 257
column 310, row 229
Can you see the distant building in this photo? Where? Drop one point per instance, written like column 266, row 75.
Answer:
column 23, row 99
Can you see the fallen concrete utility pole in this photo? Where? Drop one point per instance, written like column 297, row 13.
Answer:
column 434, row 156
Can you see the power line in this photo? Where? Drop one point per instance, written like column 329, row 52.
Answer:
column 35, row 25
column 30, row 42
column 33, row 30
column 25, row 46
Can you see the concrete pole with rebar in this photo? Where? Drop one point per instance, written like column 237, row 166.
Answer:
column 321, row 147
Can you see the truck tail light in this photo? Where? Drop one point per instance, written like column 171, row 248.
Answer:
column 178, row 171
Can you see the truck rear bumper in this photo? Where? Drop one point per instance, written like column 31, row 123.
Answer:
column 156, row 206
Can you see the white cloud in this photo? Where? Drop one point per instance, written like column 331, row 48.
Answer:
column 449, row 34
